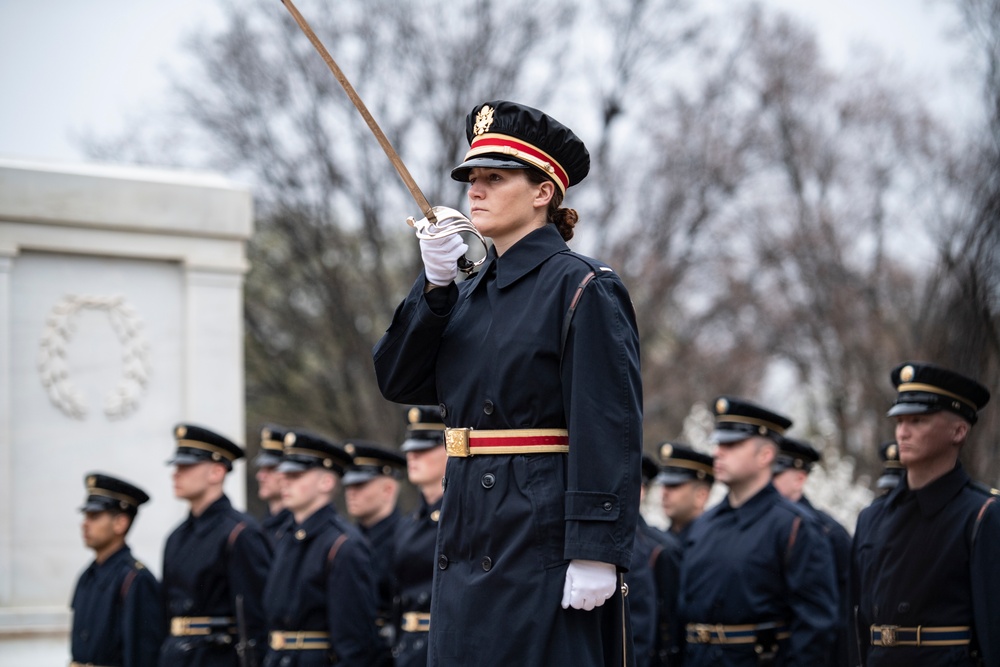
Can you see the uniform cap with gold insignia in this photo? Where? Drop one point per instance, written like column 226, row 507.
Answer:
column 794, row 454
column 926, row 388
column 196, row 444
column 892, row 469
column 424, row 429
column 737, row 419
column 680, row 464
column 304, row 450
column 111, row 494
column 369, row 461
column 272, row 443
column 508, row 135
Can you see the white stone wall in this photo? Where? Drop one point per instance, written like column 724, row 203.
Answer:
column 121, row 314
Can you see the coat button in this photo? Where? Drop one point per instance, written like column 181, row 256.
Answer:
column 443, row 409
column 608, row 506
column 487, row 564
column 442, row 562
column 488, row 407
column 903, row 607
column 489, row 479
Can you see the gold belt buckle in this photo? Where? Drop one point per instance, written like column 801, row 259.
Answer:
column 176, row 626
column 704, row 633
column 888, row 635
column 277, row 640
column 456, row 442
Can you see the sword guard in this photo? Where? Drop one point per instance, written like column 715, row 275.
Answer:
column 448, row 221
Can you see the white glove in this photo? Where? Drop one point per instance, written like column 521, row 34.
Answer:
column 441, row 258
column 588, row 584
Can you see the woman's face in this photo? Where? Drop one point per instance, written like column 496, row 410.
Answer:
column 505, row 205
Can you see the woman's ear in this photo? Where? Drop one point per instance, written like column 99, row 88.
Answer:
column 544, row 194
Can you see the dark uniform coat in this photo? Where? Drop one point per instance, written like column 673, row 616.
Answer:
column 382, row 538
column 322, row 581
column 208, row 561
column 493, row 358
column 840, row 542
column 276, row 525
column 652, row 597
column 117, row 614
column 766, row 561
column 414, row 565
column 929, row 557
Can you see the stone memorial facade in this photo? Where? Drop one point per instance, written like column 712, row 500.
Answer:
column 121, row 314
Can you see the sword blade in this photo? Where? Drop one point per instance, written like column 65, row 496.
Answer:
column 383, row 141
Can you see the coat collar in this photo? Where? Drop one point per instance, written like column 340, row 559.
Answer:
column 754, row 508
column 314, row 524
column 206, row 520
column 522, row 257
column 935, row 496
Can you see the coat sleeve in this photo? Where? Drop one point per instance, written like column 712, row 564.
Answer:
column 406, row 354
column 249, row 562
column 142, row 618
column 986, row 582
column 813, row 599
column 350, row 596
column 602, row 390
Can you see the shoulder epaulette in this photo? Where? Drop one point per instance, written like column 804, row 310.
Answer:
column 984, row 488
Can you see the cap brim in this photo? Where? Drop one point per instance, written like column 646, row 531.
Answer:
column 184, row 460
column 887, row 481
column 728, row 437
column 352, row 477
column 419, row 445
column 672, row 479
column 911, row 409
column 292, row 466
column 461, row 172
column 94, row 506
column 266, row 461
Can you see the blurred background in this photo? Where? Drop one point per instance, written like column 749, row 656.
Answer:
column 798, row 195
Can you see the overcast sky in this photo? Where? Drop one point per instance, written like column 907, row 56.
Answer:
column 72, row 66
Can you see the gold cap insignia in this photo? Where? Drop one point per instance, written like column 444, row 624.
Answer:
column 762, row 430
column 349, row 448
column 386, row 470
column 721, row 406
column 327, row 463
column 484, row 120
column 180, row 432
column 289, row 439
column 666, row 451
column 892, row 452
column 91, row 482
column 216, row 456
column 907, row 373
column 265, row 434
column 413, row 416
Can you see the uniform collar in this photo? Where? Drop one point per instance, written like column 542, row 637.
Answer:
column 314, row 524
column 119, row 556
column 523, row 257
column 383, row 527
column 935, row 496
column 755, row 507
column 207, row 519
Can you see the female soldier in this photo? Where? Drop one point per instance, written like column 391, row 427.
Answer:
column 534, row 364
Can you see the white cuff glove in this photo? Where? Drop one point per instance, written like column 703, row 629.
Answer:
column 441, row 258
column 588, row 584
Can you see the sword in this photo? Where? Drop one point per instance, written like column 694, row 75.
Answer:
column 438, row 221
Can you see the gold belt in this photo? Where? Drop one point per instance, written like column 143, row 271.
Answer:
column 301, row 640
column 416, row 621
column 716, row 633
column 464, row 442
column 921, row 635
column 194, row 626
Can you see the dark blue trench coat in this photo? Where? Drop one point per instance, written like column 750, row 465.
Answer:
column 494, row 355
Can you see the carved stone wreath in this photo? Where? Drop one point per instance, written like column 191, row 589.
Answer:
column 54, row 371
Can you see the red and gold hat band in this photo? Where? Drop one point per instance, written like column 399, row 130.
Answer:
column 507, row 145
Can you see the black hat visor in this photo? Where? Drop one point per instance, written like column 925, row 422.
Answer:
column 420, row 444
column 461, row 172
